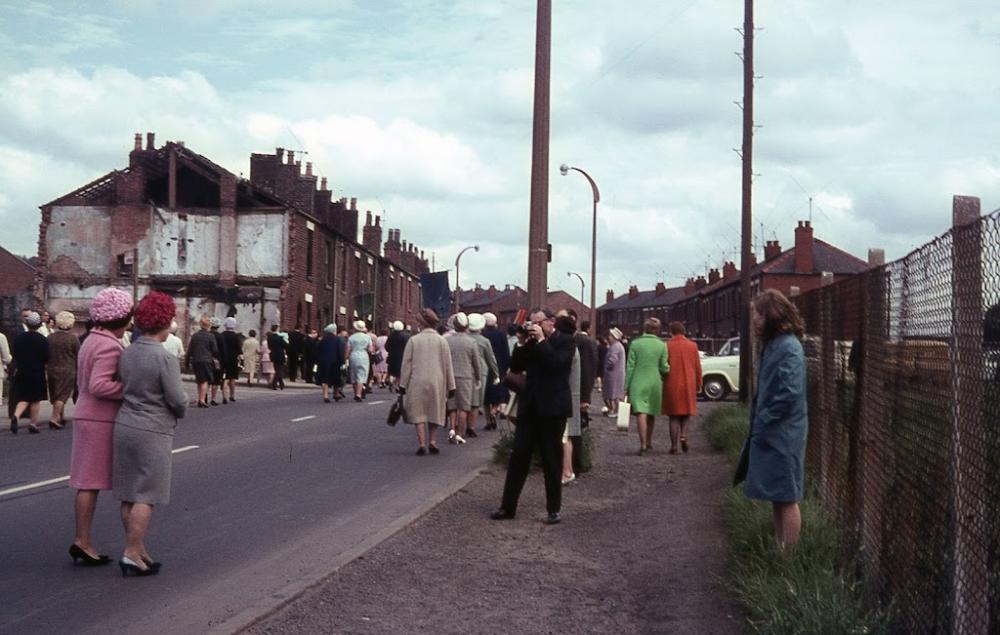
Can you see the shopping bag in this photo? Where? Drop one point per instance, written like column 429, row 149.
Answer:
column 624, row 412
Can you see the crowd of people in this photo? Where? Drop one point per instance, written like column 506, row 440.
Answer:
column 124, row 373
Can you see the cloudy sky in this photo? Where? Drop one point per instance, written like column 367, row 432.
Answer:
column 879, row 111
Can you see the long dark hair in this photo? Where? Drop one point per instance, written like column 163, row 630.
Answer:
column 780, row 315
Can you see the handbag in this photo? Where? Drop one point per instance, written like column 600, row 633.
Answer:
column 624, row 412
column 396, row 412
column 516, row 382
column 378, row 357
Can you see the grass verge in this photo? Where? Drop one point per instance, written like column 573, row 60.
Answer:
column 505, row 444
column 805, row 590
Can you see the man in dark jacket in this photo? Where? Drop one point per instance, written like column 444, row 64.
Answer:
column 310, row 352
column 277, row 348
column 544, row 406
column 296, row 344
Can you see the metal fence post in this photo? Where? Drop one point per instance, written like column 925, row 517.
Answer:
column 970, row 551
column 827, row 479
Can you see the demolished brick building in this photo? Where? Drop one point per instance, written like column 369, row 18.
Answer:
column 272, row 249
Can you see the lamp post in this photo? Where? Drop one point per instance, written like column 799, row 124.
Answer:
column 582, row 285
column 458, row 288
column 564, row 170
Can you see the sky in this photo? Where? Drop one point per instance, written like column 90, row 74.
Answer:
column 876, row 111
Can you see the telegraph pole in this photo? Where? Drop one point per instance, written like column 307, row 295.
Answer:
column 538, row 228
column 746, row 358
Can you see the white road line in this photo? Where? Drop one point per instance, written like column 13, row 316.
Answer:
column 305, row 418
column 63, row 479
column 375, row 403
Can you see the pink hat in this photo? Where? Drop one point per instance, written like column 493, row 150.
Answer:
column 110, row 304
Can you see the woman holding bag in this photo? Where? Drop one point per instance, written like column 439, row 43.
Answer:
column 774, row 453
column 647, row 366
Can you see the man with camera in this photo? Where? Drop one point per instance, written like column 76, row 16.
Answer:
column 544, row 406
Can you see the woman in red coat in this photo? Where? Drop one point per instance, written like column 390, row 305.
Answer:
column 682, row 385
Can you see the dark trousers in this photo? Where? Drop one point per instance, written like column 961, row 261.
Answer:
column 293, row 367
column 307, row 368
column 279, row 375
column 546, row 434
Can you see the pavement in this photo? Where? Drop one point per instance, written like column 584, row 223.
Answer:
column 641, row 549
column 270, row 494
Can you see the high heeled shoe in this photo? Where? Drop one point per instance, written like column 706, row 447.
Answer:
column 127, row 565
column 33, row 429
column 13, row 425
column 55, row 425
column 77, row 553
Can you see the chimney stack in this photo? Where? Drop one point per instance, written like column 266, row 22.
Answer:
column 610, row 296
column 291, row 157
column 772, row 249
column 689, row 286
column 150, row 141
column 660, row 289
column 633, row 292
column 700, row 283
column 729, row 271
column 322, row 183
column 804, row 260
column 138, row 141
column 713, row 276
column 354, row 204
column 279, row 153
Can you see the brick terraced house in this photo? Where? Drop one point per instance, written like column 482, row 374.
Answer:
column 272, row 249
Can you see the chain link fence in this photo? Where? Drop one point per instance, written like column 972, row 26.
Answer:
column 904, row 414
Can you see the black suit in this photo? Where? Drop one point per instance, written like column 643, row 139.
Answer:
column 543, row 409
column 296, row 343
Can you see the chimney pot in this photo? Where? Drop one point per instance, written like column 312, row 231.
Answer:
column 280, row 154
column 368, row 218
column 322, row 183
column 378, row 221
column 291, row 157
column 876, row 257
column 150, row 141
column 309, row 168
column 138, row 141
column 354, row 204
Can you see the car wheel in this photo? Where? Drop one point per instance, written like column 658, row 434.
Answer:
column 714, row 388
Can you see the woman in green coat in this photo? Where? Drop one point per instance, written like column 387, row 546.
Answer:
column 647, row 366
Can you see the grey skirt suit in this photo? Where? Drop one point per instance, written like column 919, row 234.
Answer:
column 144, row 428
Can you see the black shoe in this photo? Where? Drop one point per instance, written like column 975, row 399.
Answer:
column 127, row 566
column 553, row 519
column 77, row 553
column 326, row 400
column 421, row 451
column 33, row 429
column 13, row 425
column 356, row 398
column 224, row 401
column 214, row 402
column 433, row 449
column 470, row 434
column 501, row 514
column 232, row 400
column 202, row 404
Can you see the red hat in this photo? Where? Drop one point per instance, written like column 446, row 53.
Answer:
column 155, row 312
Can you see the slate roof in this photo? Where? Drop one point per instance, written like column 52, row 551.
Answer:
column 644, row 299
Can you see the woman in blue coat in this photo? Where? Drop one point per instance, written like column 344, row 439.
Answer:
column 330, row 359
column 779, row 417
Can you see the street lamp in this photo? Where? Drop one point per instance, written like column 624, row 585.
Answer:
column 458, row 287
column 582, row 285
column 564, row 170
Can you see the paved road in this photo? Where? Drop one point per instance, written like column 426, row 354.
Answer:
column 280, row 489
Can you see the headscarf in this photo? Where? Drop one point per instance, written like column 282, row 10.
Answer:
column 491, row 319
column 155, row 312
column 110, row 305
column 230, row 324
column 32, row 320
column 216, row 323
column 330, row 328
column 65, row 320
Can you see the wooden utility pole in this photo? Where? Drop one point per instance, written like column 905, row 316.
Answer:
column 746, row 359
column 538, row 228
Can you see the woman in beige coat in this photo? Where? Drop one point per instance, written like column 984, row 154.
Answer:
column 426, row 381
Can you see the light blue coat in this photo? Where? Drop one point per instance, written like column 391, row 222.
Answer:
column 779, row 423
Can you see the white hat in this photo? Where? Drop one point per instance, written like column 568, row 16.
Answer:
column 460, row 319
column 476, row 322
column 615, row 333
column 491, row 320
column 216, row 322
column 397, row 326
column 360, row 326
column 230, row 324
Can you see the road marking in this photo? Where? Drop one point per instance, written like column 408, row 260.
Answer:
column 375, row 403
column 63, row 479
column 305, row 418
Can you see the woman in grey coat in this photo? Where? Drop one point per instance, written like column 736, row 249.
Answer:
column 775, row 450
column 144, row 428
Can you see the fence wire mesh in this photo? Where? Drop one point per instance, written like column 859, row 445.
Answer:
column 904, row 414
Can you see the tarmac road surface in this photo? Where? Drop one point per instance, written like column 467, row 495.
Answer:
column 269, row 495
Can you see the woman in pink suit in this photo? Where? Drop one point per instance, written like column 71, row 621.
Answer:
column 100, row 397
